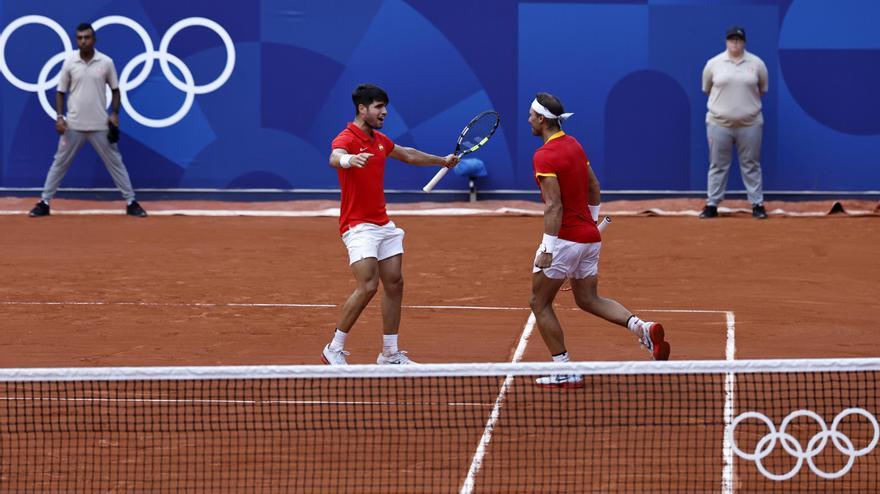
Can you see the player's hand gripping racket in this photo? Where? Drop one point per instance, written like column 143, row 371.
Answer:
column 474, row 135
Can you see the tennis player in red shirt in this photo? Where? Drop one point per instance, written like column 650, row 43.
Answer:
column 571, row 244
column 374, row 243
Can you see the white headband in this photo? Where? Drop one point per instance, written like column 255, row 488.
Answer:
column 544, row 112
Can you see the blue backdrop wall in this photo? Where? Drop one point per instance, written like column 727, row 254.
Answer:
column 252, row 97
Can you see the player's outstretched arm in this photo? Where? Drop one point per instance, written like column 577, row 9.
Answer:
column 340, row 158
column 415, row 157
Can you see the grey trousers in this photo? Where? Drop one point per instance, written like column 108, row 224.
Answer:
column 748, row 148
column 70, row 143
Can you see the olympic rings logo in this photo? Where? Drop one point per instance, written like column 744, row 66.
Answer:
column 126, row 82
column 814, row 447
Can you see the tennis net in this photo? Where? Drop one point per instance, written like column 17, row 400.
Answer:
column 689, row 427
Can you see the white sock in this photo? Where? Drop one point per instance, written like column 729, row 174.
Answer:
column 635, row 325
column 389, row 344
column 561, row 358
column 338, row 342
column 130, row 201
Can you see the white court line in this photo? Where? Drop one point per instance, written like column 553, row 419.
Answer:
column 729, row 384
column 247, row 402
column 326, row 306
column 730, row 350
column 334, row 212
column 462, row 307
column 173, row 304
column 253, row 306
column 477, row 462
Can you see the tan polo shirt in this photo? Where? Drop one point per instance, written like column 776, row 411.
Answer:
column 735, row 90
column 85, row 84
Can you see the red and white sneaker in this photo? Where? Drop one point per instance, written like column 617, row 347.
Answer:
column 570, row 381
column 653, row 340
column 333, row 357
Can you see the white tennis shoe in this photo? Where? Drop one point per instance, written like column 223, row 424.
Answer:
column 333, row 357
column 398, row 358
column 561, row 381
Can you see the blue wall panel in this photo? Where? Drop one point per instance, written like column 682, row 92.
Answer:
column 629, row 70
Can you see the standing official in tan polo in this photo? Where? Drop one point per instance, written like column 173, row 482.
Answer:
column 735, row 80
column 83, row 80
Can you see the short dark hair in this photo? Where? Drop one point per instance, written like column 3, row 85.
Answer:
column 85, row 26
column 366, row 94
column 553, row 104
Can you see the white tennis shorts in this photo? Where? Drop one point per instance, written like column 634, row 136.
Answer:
column 572, row 260
column 368, row 240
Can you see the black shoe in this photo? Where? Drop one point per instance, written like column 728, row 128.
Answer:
column 41, row 209
column 135, row 209
column 709, row 212
column 759, row 212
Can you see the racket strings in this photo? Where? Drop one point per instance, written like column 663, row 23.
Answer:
column 479, row 130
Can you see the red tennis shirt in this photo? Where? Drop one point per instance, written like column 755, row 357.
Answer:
column 563, row 157
column 363, row 189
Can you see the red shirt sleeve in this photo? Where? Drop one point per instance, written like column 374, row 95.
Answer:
column 543, row 168
column 342, row 141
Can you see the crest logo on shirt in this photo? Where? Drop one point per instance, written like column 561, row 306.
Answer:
column 381, row 147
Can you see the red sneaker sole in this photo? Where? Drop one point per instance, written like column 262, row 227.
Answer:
column 661, row 347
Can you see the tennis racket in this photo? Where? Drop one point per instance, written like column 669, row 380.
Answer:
column 474, row 135
column 566, row 286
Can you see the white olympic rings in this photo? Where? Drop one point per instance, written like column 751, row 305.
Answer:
column 188, row 85
column 815, row 445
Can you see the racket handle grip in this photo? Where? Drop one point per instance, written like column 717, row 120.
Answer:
column 440, row 174
column 604, row 223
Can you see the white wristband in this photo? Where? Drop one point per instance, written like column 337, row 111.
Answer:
column 549, row 243
column 345, row 160
column 594, row 212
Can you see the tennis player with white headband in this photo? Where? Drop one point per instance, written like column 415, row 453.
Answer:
column 571, row 244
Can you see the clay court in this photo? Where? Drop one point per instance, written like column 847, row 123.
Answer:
column 107, row 290
column 97, row 290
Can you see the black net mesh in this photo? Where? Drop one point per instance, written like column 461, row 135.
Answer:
column 622, row 433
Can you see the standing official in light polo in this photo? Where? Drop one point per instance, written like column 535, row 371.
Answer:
column 84, row 77
column 735, row 80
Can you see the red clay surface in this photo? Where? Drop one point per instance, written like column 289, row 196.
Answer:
column 119, row 291
column 797, row 287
